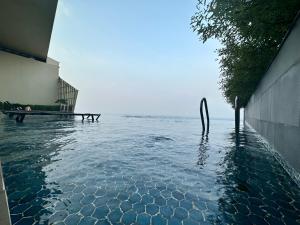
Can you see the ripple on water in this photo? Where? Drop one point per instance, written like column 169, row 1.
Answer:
column 142, row 170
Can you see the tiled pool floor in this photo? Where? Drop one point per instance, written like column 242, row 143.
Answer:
column 142, row 170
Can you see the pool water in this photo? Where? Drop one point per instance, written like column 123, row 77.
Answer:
column 142, row 170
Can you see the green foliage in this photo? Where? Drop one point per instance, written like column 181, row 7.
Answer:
column 8, row 106
column 61, row 101
column 250, row 32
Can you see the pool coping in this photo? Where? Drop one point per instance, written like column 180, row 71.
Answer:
column 4, row 212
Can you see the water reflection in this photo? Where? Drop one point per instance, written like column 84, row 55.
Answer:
column 127, row 169
column 203, row 151
column 256, row 188
column 26, row 149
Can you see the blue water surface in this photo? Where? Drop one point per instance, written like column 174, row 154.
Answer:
column 142, row 170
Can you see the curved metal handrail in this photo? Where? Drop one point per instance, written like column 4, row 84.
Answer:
column 203, row 100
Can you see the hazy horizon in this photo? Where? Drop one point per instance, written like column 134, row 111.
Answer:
column 136, row 57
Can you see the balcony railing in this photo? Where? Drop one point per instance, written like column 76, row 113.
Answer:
column 67, row 96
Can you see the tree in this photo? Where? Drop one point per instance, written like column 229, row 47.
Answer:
column 61, row 101
column 250, row 32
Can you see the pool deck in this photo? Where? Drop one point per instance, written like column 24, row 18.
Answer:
column 22, row 113
column 4, row 212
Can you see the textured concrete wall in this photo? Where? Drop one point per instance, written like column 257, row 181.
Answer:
column 274, row 108
column 27, row 81
column 4, row 209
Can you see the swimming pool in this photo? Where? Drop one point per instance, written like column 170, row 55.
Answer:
column 142, row 170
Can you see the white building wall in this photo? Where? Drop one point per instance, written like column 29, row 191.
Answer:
column 27, row 81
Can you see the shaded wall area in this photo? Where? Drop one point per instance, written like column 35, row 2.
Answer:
column 27, row 81
column 274, row 108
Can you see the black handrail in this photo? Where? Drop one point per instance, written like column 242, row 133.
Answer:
column 203, row 100
column 237, row 114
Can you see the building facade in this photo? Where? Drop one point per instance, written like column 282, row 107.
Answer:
column 27, row 75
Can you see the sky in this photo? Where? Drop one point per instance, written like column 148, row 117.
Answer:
column 136, row 57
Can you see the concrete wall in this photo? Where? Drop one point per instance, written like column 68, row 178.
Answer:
column 4, row 212
column 27, row 81
column 274, row 108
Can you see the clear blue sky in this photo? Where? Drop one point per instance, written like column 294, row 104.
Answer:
column 136, row 57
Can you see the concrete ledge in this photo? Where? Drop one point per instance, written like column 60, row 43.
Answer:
column 4, row 209
column 274, row 108
column 282, row 137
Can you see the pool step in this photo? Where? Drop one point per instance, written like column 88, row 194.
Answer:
column 4, row 212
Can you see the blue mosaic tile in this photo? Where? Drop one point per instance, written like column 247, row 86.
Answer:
column 174, row 221
column 126, row 206
column 134, row 198
column 154, row 192
column 87, row 210
column 87, row 199
column 78, row 189
column 87, row 221
column 89, row 190
column 15, row 217
column 33, row 210
column 186, row 204
column 172, row 202
column 139, row 207
column 171, row 187
column 58, row 216
column 257, row 220
column 142, row 190
column 60, row 206
column 104, row 222
column 190, row 197
column 166, row 193
column 158, row 220
column 77, row 197
column 68, row 187
column 100, row 201
column 74, row 208
column 250, row 188
column 100, row 192
column 115, row 216
column 123, row 196
column 129, row 217
column 160, row 201
column 143, row 219
column 180, row 213
column 201, row 205
column 166, row 211
column 101, row 212
column 20, row 208
column 72, row 219
column 152, row 209
column 113, row 203
column 147, row 199
column 177, row 195
column 195, row 215
column 60, row 223
column 190, row 222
